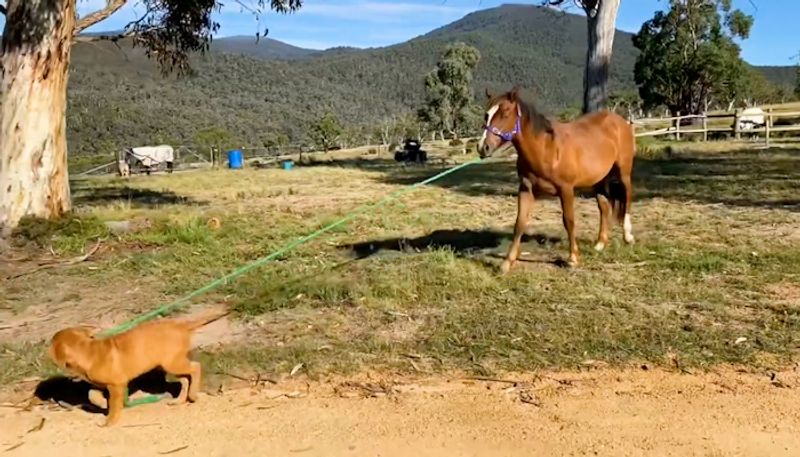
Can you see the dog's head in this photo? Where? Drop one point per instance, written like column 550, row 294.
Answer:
column 68, row 348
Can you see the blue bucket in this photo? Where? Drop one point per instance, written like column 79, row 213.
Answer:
column 287, row 164
column 235, row 159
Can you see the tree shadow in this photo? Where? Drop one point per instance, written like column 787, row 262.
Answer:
column 462, row 242
column 71, row 393
column 487, row 179
column 141, row 198
column 743, row 178
column 379, row 164
column 756, row 179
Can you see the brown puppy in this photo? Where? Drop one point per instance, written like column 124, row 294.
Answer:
column 113, row 362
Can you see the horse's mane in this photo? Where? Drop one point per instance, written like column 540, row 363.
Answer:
column 538, row 120
column 540, row 123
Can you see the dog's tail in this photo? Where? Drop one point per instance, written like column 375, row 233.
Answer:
column 193, row 324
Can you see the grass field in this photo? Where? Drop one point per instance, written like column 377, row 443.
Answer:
column 713, row 278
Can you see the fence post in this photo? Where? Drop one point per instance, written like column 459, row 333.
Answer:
column 678, row 127
column 737, row 134
column 768, row 126
column 705, row 127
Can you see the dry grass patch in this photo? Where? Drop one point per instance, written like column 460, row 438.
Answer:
column 416, row 280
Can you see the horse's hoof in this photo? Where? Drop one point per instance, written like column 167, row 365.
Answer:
column 599, row 246
column 629, row 239
column 505, row 267
column 572, row 262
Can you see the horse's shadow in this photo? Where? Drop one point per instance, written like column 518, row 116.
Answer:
column 75, row 393
column 468, row 243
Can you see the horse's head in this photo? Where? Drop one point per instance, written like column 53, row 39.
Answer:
column 501, row 123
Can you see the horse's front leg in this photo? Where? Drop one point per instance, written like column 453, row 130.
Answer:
column 524, row 206
column 567, row 195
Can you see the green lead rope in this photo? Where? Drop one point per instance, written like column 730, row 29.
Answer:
column 170, row 307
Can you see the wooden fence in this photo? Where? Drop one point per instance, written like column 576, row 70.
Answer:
column 722, row 122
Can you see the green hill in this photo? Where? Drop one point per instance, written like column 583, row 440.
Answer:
column 257, row 90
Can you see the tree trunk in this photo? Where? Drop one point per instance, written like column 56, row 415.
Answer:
column 601, row 21
column 33, row 143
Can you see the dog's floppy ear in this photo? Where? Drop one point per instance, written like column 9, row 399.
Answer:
column 90, row 330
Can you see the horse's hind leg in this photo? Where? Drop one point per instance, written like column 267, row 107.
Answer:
column 625, row 180
column 567, row 195
column 627, row 197
column 601, row 194
column 524, row 206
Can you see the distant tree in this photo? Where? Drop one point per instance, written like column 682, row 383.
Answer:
column 688, row 58
column 383, row 131
column 449, row 89
column 601, row 17
column 751, row 88
column 275, row 140
column 473, row 120
column 36, row 48
column 797, row 80
column 214, row 137
column 405, row 126
column 351, row 136
column 326, row 132
column 625, row 103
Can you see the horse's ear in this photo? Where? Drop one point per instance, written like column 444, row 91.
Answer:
column 514, row 94
column 488, row 94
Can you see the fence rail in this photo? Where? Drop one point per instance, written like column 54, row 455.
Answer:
column 713, row 122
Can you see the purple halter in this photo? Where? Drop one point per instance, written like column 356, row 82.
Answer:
column 506, row 136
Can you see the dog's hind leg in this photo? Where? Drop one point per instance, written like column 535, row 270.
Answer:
column 185, row 368
column 97, row 399
column 184, row 391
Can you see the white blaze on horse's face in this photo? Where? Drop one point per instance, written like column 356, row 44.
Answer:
column 489, row 115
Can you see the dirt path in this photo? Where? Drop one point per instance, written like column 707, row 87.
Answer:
column 598, row 413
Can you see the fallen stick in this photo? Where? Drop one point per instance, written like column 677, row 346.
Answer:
column 9, row 449
column 37, row 427
column 488, row 379
column 72, row 261
column 177, row 449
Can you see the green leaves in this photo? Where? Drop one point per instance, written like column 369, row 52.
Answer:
column 449, row 89
column 688, row 57
column 797, row 81
column 170, row 30
column 326, row 131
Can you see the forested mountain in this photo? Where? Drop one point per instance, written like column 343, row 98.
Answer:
column 263, row 48
column 260, row 91
column 780, row 76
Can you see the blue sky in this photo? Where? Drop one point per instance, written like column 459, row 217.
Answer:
column 367, row 23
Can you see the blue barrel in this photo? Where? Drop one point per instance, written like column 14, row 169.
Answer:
column 235, row 159
column 287, row 164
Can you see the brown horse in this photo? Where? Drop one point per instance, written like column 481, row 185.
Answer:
column 595, row 151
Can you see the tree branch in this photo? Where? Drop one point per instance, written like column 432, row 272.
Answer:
column 91, row 19
column 3, row 9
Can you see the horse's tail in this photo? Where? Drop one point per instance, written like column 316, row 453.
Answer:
column 617, row 195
